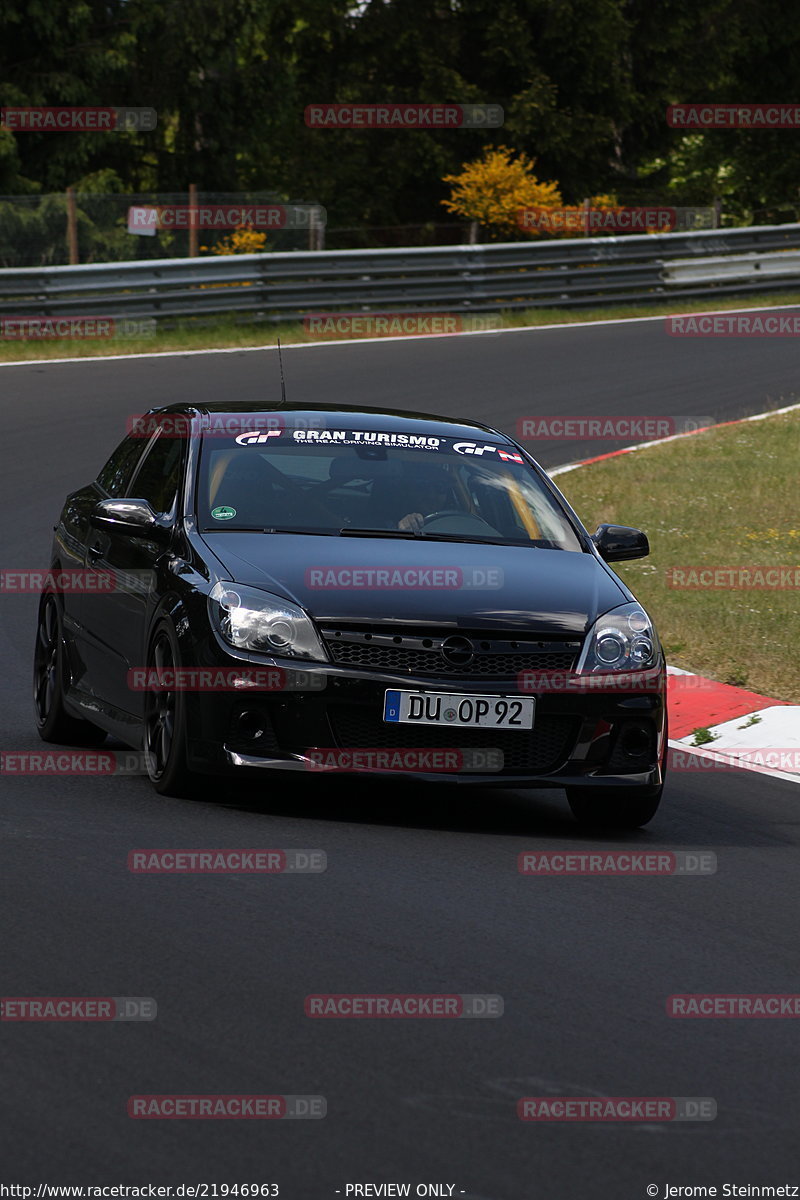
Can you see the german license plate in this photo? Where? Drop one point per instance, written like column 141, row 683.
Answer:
column 459, row 711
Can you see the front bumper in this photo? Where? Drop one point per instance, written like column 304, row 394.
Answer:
column 326, row 714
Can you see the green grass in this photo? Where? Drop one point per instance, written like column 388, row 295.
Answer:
column 729, row 497
column 227, row 333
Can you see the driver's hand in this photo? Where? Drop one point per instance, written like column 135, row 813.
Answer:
column 412, row 522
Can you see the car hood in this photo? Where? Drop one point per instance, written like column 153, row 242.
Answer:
column 508, row 587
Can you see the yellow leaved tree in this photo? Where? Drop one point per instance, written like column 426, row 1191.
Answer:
column 244, row 240
column 493, row 190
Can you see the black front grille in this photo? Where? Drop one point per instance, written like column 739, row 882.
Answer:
column 541, row 749
column 417, row 653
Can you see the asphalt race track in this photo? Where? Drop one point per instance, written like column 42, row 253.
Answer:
column 422, row 892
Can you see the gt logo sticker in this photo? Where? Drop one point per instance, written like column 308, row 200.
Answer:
column 257, row 437
column 223, row 513
column 474, row 448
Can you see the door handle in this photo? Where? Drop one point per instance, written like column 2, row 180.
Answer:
column 94, row 551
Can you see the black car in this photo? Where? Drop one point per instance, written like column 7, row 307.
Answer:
column 332, row 589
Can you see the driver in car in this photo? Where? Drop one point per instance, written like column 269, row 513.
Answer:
column 433, row 497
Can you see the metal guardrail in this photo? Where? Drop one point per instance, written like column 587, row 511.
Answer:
column 483, row 278
column 756, row 267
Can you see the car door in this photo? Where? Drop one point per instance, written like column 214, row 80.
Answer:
column 72, row 534
column 117, row 620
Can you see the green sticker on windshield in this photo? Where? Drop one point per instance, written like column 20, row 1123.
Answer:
column 223, row 513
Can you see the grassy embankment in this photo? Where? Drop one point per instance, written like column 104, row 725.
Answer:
column 729, row 497
column 227, row 333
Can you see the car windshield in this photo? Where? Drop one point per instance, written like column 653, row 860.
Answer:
column 352, row 482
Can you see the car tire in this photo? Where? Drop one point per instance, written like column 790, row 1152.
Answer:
column 165, row 726
column 614, row 808
column 53, row 722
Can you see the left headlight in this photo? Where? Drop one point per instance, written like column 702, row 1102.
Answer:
column 624, row 639
column 252, row 620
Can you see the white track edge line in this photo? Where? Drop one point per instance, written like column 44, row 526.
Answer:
column 674, row 437
column 419, row 337
column 735, row 763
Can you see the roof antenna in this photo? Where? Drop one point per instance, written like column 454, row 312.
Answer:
column 283, row 383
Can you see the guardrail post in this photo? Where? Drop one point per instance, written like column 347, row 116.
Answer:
column 72, row 227
column 193, row 240
column 313, row 237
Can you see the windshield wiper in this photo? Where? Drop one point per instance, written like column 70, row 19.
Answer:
column 404, row 534
column 311, row 532
column 268, row 529
column 422, row 537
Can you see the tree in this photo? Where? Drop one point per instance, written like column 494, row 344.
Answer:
column 494, row 190
column 65, row 53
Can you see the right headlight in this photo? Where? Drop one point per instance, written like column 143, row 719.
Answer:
column 249, row 619
column 623, row 639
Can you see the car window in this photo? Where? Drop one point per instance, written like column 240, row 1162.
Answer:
column 446, row 486
column 116, row 473
column 157, row 478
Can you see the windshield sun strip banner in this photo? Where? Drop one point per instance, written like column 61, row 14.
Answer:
column 371, row 438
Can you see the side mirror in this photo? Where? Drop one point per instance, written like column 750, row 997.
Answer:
column 615, row 543
column 125, row 516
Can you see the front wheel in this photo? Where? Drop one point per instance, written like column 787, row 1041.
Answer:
column 165, row 726
column 614, row 808
column 53, row 722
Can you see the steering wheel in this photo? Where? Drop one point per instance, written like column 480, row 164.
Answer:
column 471, row 519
